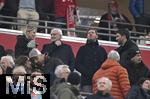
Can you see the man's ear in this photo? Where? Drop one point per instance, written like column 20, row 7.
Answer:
column 124, row 36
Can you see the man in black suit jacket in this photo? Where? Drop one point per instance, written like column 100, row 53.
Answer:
column 59, row 50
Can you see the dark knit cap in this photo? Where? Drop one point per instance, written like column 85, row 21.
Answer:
column 141, row 80
column 133, row 52
column 74, row 78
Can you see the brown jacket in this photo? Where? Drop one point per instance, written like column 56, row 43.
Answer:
column 117, row 74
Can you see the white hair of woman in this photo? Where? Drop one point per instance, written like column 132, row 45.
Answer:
column 60, row 69
column 113, row 55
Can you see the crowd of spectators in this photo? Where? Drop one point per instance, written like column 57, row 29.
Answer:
column 92, row 71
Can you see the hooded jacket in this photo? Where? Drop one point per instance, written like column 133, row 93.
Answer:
column 117, row 74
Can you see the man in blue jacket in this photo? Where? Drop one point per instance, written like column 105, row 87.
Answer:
column 140, row 11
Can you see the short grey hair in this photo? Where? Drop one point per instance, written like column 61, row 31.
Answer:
column 113, row 55
column 59, row 69
column 107, row 81
column 57, row 30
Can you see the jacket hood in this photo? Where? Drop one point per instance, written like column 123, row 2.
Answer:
column 109, row 63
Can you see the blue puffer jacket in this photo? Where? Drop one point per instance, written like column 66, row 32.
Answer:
column 136, row 7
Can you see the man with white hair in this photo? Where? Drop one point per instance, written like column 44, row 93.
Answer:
column 116, row 73
column 61, row 72
column 58, row 49
column 104, row 85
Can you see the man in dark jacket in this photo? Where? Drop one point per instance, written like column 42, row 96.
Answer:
column 25, row 42
column 10, row 9
column 46, row 12
column 58, row 49
column 89, row 59
column 136, row 68
column 123, row 39
column 130, row 57
column 43, row 62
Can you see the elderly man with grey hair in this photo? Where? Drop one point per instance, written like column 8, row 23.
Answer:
column 116, row 73
column 114, row 55
column 104, row 86
column 61, row 72
column 58, row 49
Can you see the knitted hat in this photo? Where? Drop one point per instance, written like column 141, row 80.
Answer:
column 74, row 78
column 34, row 53
column 132, row 53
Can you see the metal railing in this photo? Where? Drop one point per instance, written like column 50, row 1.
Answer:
column 80, row 29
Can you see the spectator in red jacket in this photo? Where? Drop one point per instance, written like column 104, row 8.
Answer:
column 64, row 13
